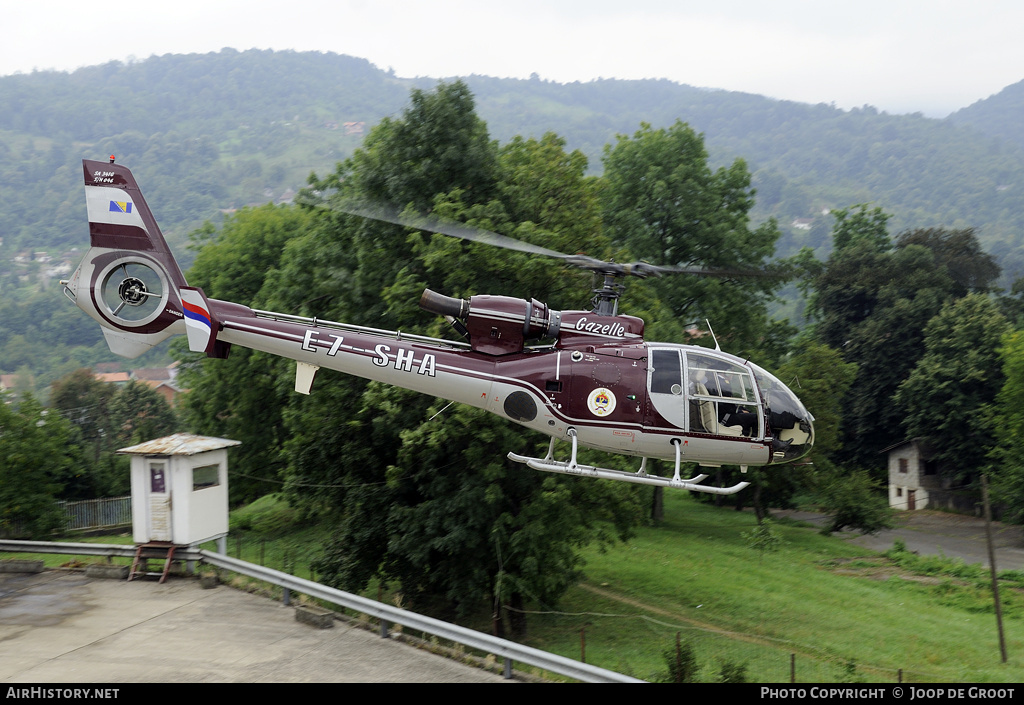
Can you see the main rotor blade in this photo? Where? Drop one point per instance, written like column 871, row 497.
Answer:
column 441, row 226
column 434, row 224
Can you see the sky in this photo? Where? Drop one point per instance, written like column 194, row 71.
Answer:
column 901, row 56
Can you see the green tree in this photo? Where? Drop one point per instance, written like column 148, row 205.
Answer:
column 682, row 663
column 246, row 398
column 469, row 527
column 84, row 401
column 820, row 378
column 861, row 227
column 424, row 493
column 439, row 144
column 853, row 500
column 664, row 204
column 732, row 672
column 872, row 305
column 1008, row 455
column 36, row 458
column 959, row 254
column 763, row 538
column 948, row 396
column 138, row 413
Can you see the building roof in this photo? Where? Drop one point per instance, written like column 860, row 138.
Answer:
column 152, row 373
column 112, row 377
column 179, row 444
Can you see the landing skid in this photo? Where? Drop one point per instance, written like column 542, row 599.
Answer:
column 571, row 467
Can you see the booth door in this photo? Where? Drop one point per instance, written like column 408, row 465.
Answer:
column 159, row 501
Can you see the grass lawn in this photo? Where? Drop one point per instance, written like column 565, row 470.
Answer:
column 834, row 605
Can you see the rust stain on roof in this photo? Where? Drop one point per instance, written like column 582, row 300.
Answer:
column 179, row 444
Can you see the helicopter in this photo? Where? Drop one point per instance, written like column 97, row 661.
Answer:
column 599, row 385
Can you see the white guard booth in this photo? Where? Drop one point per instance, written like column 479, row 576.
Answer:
column 179, row 493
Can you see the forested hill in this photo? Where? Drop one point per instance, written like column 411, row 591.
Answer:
column 804, row 158
column 216, row 131
column 997, row 115
column 211, row 132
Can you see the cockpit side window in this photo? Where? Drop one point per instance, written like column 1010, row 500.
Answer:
column 666, row 377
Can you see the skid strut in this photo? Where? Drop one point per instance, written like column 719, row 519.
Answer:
column 549, row 464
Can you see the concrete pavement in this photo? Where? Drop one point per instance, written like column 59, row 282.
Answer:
column 62, row 627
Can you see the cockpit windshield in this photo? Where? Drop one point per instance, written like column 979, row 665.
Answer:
column 791, row 423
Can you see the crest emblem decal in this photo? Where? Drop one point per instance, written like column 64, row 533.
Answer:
column 601, row 402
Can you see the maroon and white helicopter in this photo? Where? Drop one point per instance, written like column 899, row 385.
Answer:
column 598, row 385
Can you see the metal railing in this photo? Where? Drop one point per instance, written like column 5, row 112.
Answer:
column 387, row 614
column 97, row 513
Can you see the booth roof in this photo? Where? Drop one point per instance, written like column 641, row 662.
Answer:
column 179, row 444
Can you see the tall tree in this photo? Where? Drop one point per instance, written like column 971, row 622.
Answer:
column 663, row 203
column 138, row 414
column 860, row 226
column 1008, row 455
column 425, row 494
column 85, row 402
column 873, row 303
column 36, row 458
column 245, row 398
column 948, row 396
column 439, row 144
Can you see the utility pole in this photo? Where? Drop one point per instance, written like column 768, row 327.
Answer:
column 992, row 564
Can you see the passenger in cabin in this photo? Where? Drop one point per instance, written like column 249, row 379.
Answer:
column 733, row 414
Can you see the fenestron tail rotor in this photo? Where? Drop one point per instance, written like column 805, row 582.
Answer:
column 132, row 291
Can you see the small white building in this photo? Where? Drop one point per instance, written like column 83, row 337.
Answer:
column 180, row 490
column 912, row 475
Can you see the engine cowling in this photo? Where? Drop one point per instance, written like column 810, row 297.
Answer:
column 497, row 325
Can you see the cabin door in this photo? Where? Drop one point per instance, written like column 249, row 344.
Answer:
column 665, row 387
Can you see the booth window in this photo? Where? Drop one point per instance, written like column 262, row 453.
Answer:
column 205, row 476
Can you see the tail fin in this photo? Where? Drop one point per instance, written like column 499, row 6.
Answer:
column 128, row 280
column 199, row 322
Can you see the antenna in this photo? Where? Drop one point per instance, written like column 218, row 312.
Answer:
column 713, row 337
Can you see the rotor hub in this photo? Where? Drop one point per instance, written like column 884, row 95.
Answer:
column 132, row 291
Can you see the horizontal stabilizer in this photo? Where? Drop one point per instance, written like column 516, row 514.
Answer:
column 130, row 345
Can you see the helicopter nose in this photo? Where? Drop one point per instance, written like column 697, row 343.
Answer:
column 794, row 435
column 792, row 426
